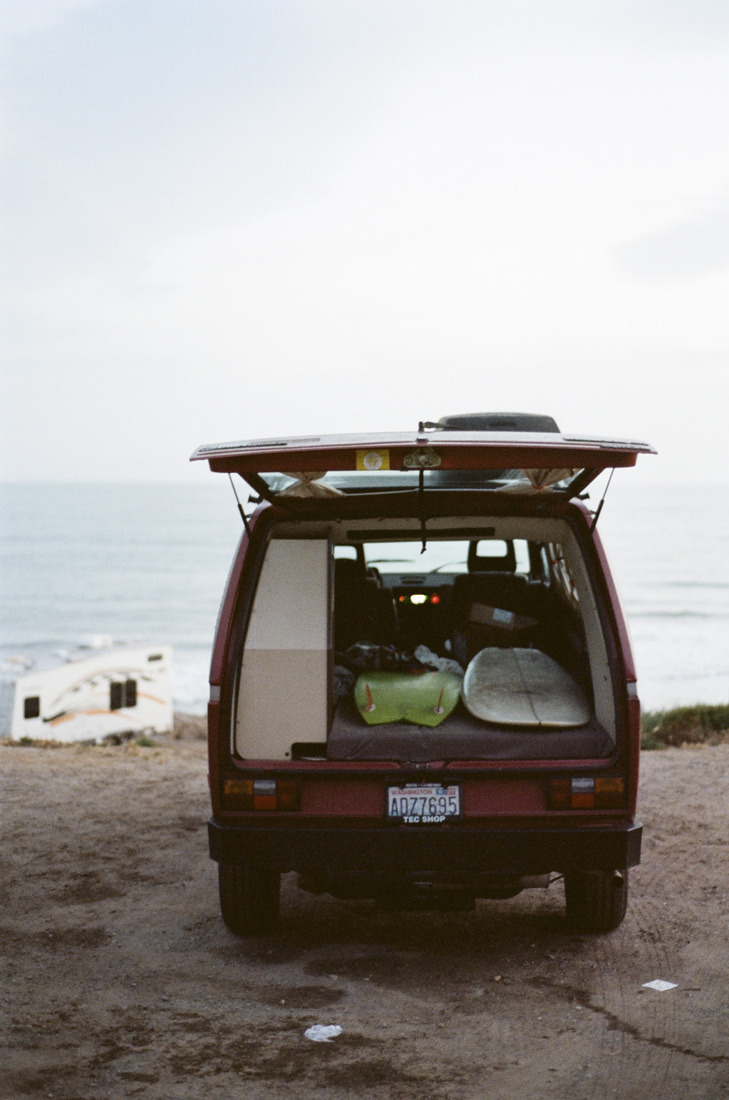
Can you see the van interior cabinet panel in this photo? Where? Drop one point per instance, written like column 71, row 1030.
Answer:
column 284, row 687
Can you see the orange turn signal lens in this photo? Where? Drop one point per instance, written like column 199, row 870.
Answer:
column 609, row 792
column 238, row 794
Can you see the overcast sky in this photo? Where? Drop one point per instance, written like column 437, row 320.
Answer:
column 225, row 219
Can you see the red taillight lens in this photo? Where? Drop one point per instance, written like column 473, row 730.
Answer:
column 260, row 794
column 287, row 794
column 559, row 793
column 604, row 792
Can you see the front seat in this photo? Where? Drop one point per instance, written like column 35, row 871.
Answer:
column 363, row 611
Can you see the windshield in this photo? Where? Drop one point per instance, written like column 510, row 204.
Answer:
column 406, row 557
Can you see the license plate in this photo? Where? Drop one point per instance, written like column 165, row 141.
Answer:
column 423, row 804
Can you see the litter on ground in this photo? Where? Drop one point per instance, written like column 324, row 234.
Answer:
column 323, row 1033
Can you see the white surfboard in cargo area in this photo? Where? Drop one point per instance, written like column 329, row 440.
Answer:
column 523, row 687
column 105, row 693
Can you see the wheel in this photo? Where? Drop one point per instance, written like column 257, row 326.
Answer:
column 596, row 901
column 249, row 897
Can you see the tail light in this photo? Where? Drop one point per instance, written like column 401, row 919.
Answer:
column 602, row 792
column 260, row 794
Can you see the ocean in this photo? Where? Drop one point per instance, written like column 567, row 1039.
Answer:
column 148, row 563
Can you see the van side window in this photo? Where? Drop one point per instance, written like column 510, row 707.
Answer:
column 561, row 576
column 342, row 551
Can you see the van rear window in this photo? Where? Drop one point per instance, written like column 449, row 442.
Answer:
column 334, row 482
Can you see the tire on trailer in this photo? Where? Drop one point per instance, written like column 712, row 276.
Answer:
column 249, row 897
column 596, row 901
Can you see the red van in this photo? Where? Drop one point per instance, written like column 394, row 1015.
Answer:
column 422, row 689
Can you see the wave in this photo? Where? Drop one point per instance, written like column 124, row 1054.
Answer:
column 713, row 586
column 633, row 615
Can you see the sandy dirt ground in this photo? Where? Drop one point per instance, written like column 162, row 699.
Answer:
column 120, row 979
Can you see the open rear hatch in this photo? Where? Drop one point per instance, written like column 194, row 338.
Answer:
column 299, row 468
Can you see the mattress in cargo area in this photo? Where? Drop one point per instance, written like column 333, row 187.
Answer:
column 460, row 737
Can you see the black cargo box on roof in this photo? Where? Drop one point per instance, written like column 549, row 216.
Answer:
column 497, row 422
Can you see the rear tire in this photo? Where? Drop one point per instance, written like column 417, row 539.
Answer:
column 249, row 897
column 596, row 901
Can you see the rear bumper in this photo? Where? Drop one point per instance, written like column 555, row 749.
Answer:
column 461, row 855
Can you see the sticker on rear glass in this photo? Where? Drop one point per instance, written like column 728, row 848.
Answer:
column 373, row 460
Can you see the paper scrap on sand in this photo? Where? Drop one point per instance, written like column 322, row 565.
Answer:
column 659, row 985
column 323, row 1033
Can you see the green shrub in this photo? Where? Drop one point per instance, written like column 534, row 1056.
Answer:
column 700, row 724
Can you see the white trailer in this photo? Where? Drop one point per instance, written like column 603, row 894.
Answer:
column 124, row 690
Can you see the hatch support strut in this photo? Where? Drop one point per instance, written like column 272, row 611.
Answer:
column 243, row 516
column 421, row 502
column 596, row 517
